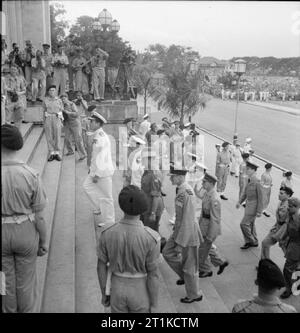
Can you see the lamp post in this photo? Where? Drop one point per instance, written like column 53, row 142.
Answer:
column 239, row 70
column 105, row 27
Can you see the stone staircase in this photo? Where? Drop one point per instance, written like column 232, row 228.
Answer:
column 67, row 276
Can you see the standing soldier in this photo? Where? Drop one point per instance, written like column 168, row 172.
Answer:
column 151, row 185
column 243, row 178
column 269, row 281
column 98, row 184
column 60, row 63
column 15, row 88
column 278, row 231
column 292, row 253
column 254, row 206
column 70, row 50
column 222, row 166
column 181, row 251
column 81, row 80
column 210, row 226
column 23, row 225
column 72, row 127
column 38, row 66
column 266, row 183
column 98, row 63
column 29, row 55
column 82, row 107
column 49, row 69
column 53, row 118
column 134, row 279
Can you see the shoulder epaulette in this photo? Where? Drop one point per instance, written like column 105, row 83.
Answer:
column 155, row 235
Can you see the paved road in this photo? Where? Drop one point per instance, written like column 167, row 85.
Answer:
column 276, row 135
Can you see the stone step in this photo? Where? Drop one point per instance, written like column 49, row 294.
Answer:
column 39, row 160
column 51, row 179
column 30, row 144
column 87, row 289
column 25, row 130
column 59, row 290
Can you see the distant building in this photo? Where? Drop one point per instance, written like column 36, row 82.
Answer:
column 23, row 20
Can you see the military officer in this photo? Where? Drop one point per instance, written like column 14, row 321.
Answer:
column 254, row 205
column 98, row 184
column 279, row 229
column 269, row 281
column 49, row 69
column 292, row 253
column 151, row 185
column 53, row 108
column 60, row 64
column 210, row 226
column 222, row 167
column 23, row 226
column 134, row 279
column 181, row 251
column 98, row 63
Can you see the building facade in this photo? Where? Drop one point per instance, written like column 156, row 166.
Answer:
column 23, row 20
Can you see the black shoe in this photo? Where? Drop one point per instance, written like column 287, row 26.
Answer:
column 205, row 274
column 82, row 158
column 163, row 194
column 180, row 282
column 58, row 158
column 51, row 158
column 39, row 100
column 189, row 300
column 231, row 173
column 266, row 214
column 244, row 205
column 245, row 246
column 286, row 294
column 69, row 153
column 254, row 245
column 222, row 267
column 223, row 197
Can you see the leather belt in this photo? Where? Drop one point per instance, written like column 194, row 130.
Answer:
column 18, row 219
column 130, row 275
column 206, row 216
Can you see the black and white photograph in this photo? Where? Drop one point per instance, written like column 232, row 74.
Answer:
column 150, row 159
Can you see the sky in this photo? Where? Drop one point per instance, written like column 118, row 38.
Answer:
column 213, row 28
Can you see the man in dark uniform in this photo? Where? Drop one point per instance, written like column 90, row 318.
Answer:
column 151, row 185
column 132, row 251
column 292, row 253
column 254, row 206
column 181, row 250
column 269, row 280
column 23, row 226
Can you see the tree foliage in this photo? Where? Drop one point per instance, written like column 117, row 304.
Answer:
column 58, row 23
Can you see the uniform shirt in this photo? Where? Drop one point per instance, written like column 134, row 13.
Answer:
column 223, row 158
column 38, row 67
column 52, row 105
column 129, row 247
column 101, row 163
column 82, row 107
column 14, row 83
column 144, row 127
column 22, row 189
column 210, row 218
column 79, row 61
column 71, row 119
column 63, row 60
column 266, row 180
column 98, row 62
column 48, row 61
column 258, row 305
column 186, row 230
column 253, row 194
column 293, row 234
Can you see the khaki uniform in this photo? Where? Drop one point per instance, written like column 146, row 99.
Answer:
column 72, row 127
column 14, row 110
column 277, row 232
column 222, row 169
column 53, row 108
column 81, row 80
column 38, row 79
column 181, row 250
column 210, row 226
column 60, row 72
column 254, row 205
column 100, row 193
column 151, row 185
column 258, row 305
column 49, row 69
column 243, row 178
column 22, row 194
column 292, row 253
column 98, row 76
column 132, row 251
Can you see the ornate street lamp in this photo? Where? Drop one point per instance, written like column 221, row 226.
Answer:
column 239, row 70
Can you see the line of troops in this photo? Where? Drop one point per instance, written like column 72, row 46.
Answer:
column 27, row 76
column 129, row 251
